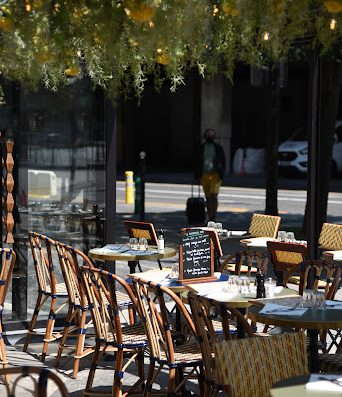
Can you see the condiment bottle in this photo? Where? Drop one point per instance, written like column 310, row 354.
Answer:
column 260, row 281
column 161, row 243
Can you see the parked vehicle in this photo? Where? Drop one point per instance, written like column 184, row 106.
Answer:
column 293, row 153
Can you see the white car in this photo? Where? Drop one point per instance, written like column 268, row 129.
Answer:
column 293, row 153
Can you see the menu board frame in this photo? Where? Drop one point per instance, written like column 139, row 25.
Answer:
column 194, row 280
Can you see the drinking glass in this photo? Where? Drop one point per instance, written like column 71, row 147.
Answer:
column 175, row 271
column 211, row 225
column 232, row 283
column 319, row 299
column 218, row 227
column 281, row 235
column 307, row 298
column 270, row 285
column 290, row 238
column 143, row 245
column 245, row 284
column 134, row 243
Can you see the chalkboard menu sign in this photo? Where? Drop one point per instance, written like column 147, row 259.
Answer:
column 196, row 258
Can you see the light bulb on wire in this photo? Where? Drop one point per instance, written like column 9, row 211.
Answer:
column 266, row 36
column 333, row 23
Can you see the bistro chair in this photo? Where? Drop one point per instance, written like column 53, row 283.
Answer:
column 249, row 367
column 143, row 230
column 326, row 276
column 8, row 257
column 288, row 260
column 205, row 314
column 330, row 237
column 50, row 287
column 110, row 330
column 40, row 384
column 264, row 226
column 245, row 262
column 168, row 346
column 71, row 259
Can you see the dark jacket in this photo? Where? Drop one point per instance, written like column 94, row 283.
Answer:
column 219, row 161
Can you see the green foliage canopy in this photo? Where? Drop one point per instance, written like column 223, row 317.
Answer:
column 120, row 43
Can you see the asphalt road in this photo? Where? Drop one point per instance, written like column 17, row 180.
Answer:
column 166, row 198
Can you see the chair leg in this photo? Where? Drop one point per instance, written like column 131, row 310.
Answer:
column 68, row 320
column 80, row 343
column 117, row 384
column 140, row 365
column 149, row 380
column 33, row 321
column 171, row 387
column 49, row 328
column 3, row 357
column 94, row 363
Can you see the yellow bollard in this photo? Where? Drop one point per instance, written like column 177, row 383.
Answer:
column 129, row 187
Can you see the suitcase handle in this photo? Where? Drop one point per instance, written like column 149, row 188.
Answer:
column 192, row 190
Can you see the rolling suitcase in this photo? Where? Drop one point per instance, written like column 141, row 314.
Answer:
column 195, row 208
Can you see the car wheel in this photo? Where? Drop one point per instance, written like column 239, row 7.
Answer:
column 333, row 169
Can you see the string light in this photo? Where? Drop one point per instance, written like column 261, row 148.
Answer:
column 151, row 24
column 215, row 10
column 159, row 50
column 333, row 23
column 28, row 7
column 266, row 36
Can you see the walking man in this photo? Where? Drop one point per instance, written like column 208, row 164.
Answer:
column 211, row 169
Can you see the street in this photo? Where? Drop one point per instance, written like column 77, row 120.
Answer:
column 166, row 198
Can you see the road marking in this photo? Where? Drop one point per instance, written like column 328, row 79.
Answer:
column 231, row 195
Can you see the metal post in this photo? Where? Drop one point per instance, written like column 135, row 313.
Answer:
column 142, row 186
column 110, row 204
column 313, row 159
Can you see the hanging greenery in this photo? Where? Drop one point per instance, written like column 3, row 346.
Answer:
column 119, row 44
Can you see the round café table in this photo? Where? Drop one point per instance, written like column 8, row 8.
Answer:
column 313, row 320
column 295, row 387
column 242, row 302
column 102, row 255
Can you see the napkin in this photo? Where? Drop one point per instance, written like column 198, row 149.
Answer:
column 331, row 305
column 273, row 308
column 322, row 382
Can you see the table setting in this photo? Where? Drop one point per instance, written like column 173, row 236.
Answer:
column 315, row 385
column 283, row 236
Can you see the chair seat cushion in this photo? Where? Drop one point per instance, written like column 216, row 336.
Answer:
column 188, row 353
column 133, row 336
column 123, row 299
column 61, row 290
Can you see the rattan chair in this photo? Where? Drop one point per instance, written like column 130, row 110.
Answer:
column 110, row 330
column 8, row 257
column 143, row 230
column 289, row 262
column 330, row 237
column 40, row 384
column 249, row 367
column 70, row 260
column 49, row 288
column 245, row 262
column 264, row 225
column 206, row 313
column 327, row 277
column 168, row 346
